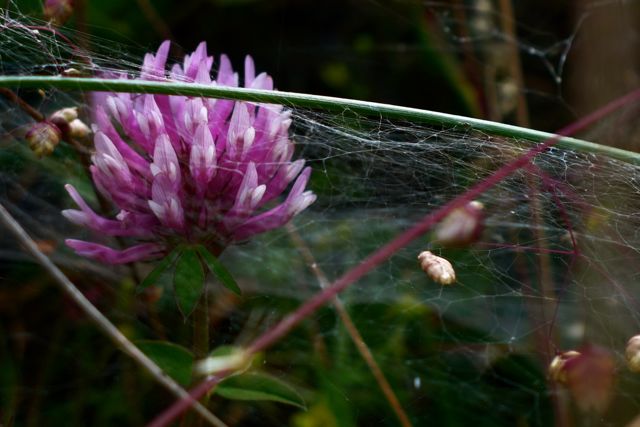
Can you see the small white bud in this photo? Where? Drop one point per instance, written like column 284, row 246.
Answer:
column 235, row 360
column 437, row 268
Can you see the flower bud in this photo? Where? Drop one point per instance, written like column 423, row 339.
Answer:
column 437, row 268
column 66, row 114
column 43, row 138
column 589, row 376
column 58, row 11
column 223, row 359
column 632, row 353
column 77, row 129
column 67, row 121
column 557, row 370
column 462, row 226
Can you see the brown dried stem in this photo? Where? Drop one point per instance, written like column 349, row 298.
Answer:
column 351, row 328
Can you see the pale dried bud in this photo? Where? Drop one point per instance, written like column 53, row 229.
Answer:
column 437, row 268
column 632, row 353
column 77, row 129
column 43, row 138
column 66, row 114
column 58, row 11
column 462, row 226
column 557, row 370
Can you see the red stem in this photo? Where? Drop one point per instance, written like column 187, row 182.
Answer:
column 382, row 254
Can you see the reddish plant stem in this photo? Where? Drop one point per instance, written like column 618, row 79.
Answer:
column 382, row 254
column 353, row 331
column 195, row 394
column 369, row 263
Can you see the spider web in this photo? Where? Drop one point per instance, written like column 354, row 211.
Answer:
column 553, row 270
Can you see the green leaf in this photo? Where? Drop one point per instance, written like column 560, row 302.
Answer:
column 216, row 267
column 162, row 266
column 260, row 386
column 188, row 281
column 176, row 361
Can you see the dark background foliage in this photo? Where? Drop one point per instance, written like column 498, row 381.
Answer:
column 450, row 56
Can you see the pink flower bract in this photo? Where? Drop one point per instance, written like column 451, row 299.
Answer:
column 189, row 170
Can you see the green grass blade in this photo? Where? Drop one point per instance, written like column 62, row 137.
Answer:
column 293, row 99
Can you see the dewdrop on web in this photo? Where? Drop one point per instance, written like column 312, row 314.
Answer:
column 437, row 268
column 187, row 170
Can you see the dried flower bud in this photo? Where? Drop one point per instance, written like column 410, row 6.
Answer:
column 43, row 138
column 557, row 370
column 437, row 268
column 67, row 121
column 66, row 114
column 58, row 11
column 77, row 129
column 632, row 353
column 588, row 375
column 462, row 226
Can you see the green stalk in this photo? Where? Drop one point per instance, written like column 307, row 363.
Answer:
column 300, row 100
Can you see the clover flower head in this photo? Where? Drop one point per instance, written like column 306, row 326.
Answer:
column 188, row 169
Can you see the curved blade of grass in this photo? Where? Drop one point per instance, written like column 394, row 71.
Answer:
column 293, row 99
column 102, row 323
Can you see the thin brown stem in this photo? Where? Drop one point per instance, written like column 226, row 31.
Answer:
column 101, row 322
column 351, row 328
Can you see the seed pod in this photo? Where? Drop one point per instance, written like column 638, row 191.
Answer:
column 43, row 138
column 437, row 268
column 462, row 226
column 632, row 353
